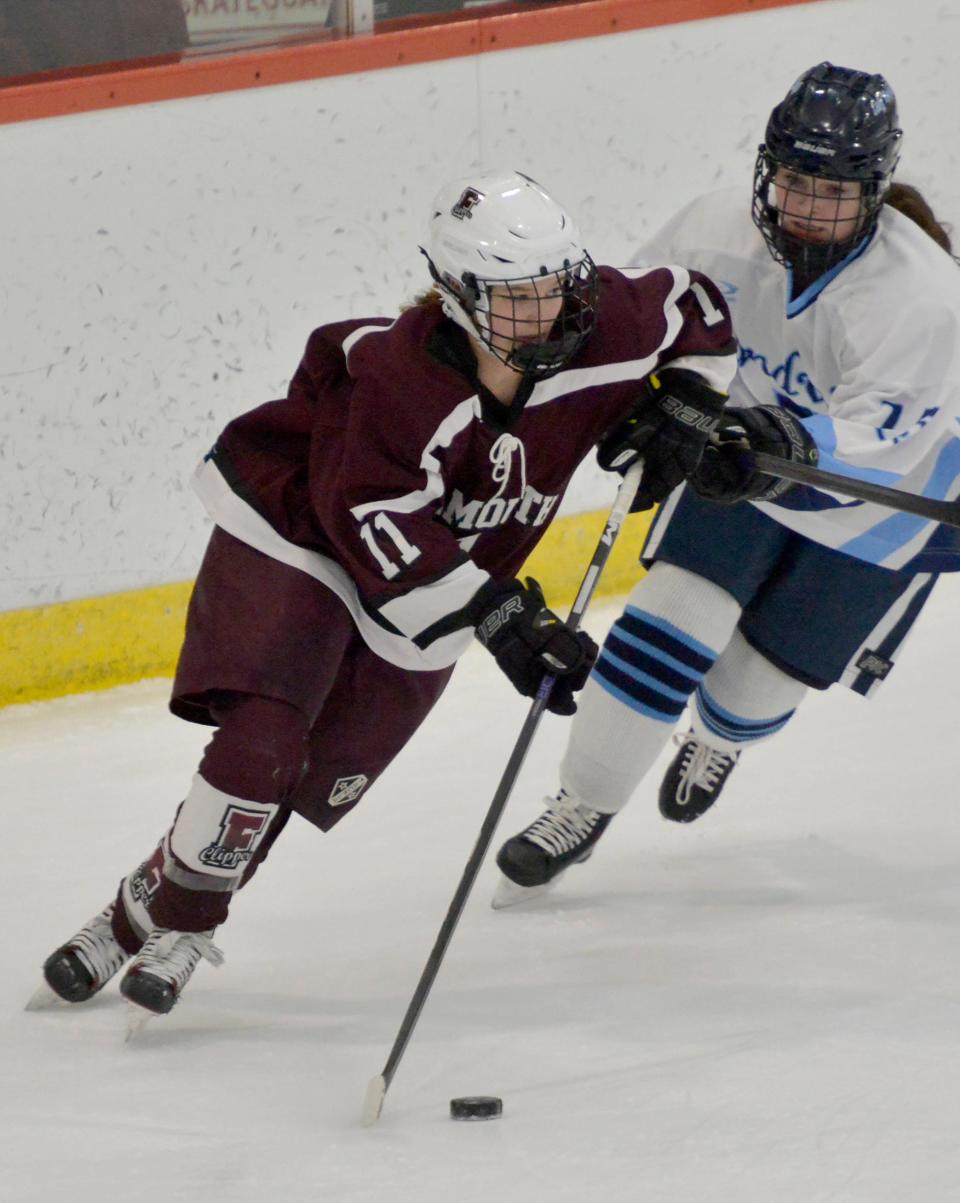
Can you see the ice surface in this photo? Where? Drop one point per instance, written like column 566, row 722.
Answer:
column 762, row 1006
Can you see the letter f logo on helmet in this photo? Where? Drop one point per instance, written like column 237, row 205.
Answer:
column 464, row 207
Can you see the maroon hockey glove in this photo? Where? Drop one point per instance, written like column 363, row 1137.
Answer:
column 726, row 473
column 529, row 641
column 669, row 428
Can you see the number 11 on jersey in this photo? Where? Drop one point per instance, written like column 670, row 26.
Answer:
column 400, row 545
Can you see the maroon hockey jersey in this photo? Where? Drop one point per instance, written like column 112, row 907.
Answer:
column 392, row 476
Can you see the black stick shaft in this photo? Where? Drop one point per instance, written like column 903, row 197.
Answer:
column 455, row 910
column 618, row 512
column 947, row 512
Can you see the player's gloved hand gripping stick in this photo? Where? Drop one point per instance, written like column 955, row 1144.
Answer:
column 378, row 1086
column 755, row 451
column 676, row 413
column 513, row 623
column 728, row 473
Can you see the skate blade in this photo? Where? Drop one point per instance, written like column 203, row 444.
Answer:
column 373, row 1101
column 42, row 999
column 508, row 893
column 137, row 1020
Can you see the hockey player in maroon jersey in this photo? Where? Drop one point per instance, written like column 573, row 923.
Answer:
column 371, row 523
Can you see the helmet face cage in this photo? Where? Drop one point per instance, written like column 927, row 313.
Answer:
column 509, row 316
column 809, row 256
column 835, row 124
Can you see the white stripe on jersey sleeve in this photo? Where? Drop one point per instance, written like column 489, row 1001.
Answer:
column 352, row 339
column 717, row 370
column 637, row 273
column 232, row 514
column 458, row 419
column 419, row 609
column 574, row 379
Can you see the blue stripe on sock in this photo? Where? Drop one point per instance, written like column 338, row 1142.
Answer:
column 634, row 703
column 682, row 666
column 651, row 665
column 668, row 638
column 731, row 726
column 655, row 684
column 643, row 658
column 637, row 695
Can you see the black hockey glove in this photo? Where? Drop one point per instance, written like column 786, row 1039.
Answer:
column 726, row 473
column 529, row 641
column 669, row 428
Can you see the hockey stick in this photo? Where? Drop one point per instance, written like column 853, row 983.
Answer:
column 947, row 512
column 379, row 1085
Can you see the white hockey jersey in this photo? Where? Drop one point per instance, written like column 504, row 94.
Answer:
column 868, row 357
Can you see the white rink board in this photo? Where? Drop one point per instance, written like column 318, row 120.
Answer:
column 164, row 264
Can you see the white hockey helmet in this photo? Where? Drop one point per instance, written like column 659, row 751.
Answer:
column 502, row 230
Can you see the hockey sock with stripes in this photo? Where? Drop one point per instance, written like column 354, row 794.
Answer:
column 670, row 634
column 743, row 698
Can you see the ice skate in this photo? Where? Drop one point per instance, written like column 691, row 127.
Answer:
column 158, row 973
column 694, row 780
column 79, row 969
column 531, row 861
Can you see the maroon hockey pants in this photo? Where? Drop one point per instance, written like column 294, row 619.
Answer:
column 307, row 718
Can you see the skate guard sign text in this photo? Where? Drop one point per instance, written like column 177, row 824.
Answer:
column 222, row 16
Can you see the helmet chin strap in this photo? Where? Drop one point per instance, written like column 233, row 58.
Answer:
column 456, row 312
column 454, row 309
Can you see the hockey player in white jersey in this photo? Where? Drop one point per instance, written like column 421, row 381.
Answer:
column 848, row 317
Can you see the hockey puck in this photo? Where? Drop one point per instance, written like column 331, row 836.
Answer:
column 477, row 1106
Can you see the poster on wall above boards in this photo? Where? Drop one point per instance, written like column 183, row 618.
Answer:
column 212, row 21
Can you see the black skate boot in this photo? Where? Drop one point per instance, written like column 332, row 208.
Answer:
column 81, row 968
column 694, row 780
column 161, row 969
column 563, row 835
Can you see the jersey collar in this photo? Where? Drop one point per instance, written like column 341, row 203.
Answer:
column 797, row 304
column 450, row 345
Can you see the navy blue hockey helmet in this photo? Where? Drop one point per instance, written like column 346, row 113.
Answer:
column 835, row 123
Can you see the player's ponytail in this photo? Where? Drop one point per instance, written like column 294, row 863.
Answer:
column 908, row 200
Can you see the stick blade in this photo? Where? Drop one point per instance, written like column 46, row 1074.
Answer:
column 373, row 1101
